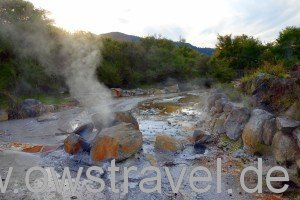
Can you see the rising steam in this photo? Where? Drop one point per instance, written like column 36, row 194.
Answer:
column 77, row 61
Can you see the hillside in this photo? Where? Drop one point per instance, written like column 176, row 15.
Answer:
column 124, row 37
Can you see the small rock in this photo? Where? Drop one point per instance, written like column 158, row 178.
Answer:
column 172, row 88
column 199, row 148
column 235, row 122
column 219, row 104
column 240, row 153
column 201, row 136
column 167, row 143
column 116, row 92
column 47, row 117
column 228, row 107
column 72, row 144
column 212, row 99
column 3, row 115
column 32, row 108
column 286, row 125
column 269, row 130
column 285, row 148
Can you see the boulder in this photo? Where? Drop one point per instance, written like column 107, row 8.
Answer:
column 269, row 130
column 167, row 143
column 172, row 88
column 228, row 107
column 286, row 125
column 235, row 122
column 100, row 121
column 285, row 148
column 219, row 104
column 32, row 108
column 127, row 117
column 293, row 111
column 201, row 136
column 212, row 99
column 3, row 115
column 219, row 124
column 117, row 142
column 253, row 131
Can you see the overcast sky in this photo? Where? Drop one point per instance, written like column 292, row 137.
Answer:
column 198, row 21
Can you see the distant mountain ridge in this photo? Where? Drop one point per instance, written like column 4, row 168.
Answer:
column 132, row 38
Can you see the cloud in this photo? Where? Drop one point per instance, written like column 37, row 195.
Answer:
column 198, row 22
column 168, row 31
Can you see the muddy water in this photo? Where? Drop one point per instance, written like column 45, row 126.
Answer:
column 176, row 115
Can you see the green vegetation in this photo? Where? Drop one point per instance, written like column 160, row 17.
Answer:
column 148, row 61
column 240, row 55
column 25, row 71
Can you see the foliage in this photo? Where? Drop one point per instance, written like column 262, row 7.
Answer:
column 247, row 54
column 147, row 61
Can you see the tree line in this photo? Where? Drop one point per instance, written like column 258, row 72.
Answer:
column 123, row 63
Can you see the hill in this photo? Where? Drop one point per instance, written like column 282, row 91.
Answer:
column 132, row 38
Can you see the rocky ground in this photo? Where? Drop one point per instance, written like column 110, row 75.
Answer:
column 178, row 130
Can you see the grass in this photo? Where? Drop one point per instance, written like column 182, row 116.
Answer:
column 232, row 93
column 277, row 70
column 44, row 98
column 47, row 99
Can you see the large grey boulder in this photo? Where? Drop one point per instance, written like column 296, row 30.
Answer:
column 253, row 131
column 286, row 125
column 32, row 108
column 285, row 148
column 235, row 122
column 269, row 130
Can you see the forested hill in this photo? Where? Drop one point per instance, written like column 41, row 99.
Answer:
column 132, row 38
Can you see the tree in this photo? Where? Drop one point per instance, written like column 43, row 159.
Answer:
column 288, row 45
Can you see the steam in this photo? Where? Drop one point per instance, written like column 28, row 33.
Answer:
column 76, row 61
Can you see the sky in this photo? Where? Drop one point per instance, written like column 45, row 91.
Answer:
column 197, row 21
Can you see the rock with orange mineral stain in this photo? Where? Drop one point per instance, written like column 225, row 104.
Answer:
column 117, row 142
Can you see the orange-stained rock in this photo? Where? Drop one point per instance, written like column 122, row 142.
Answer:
column 167, row 143
column 106, row 147
column 72, row 144
column 117, row 142
column 127, row 117
column 33, row 149
column 116, row 92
